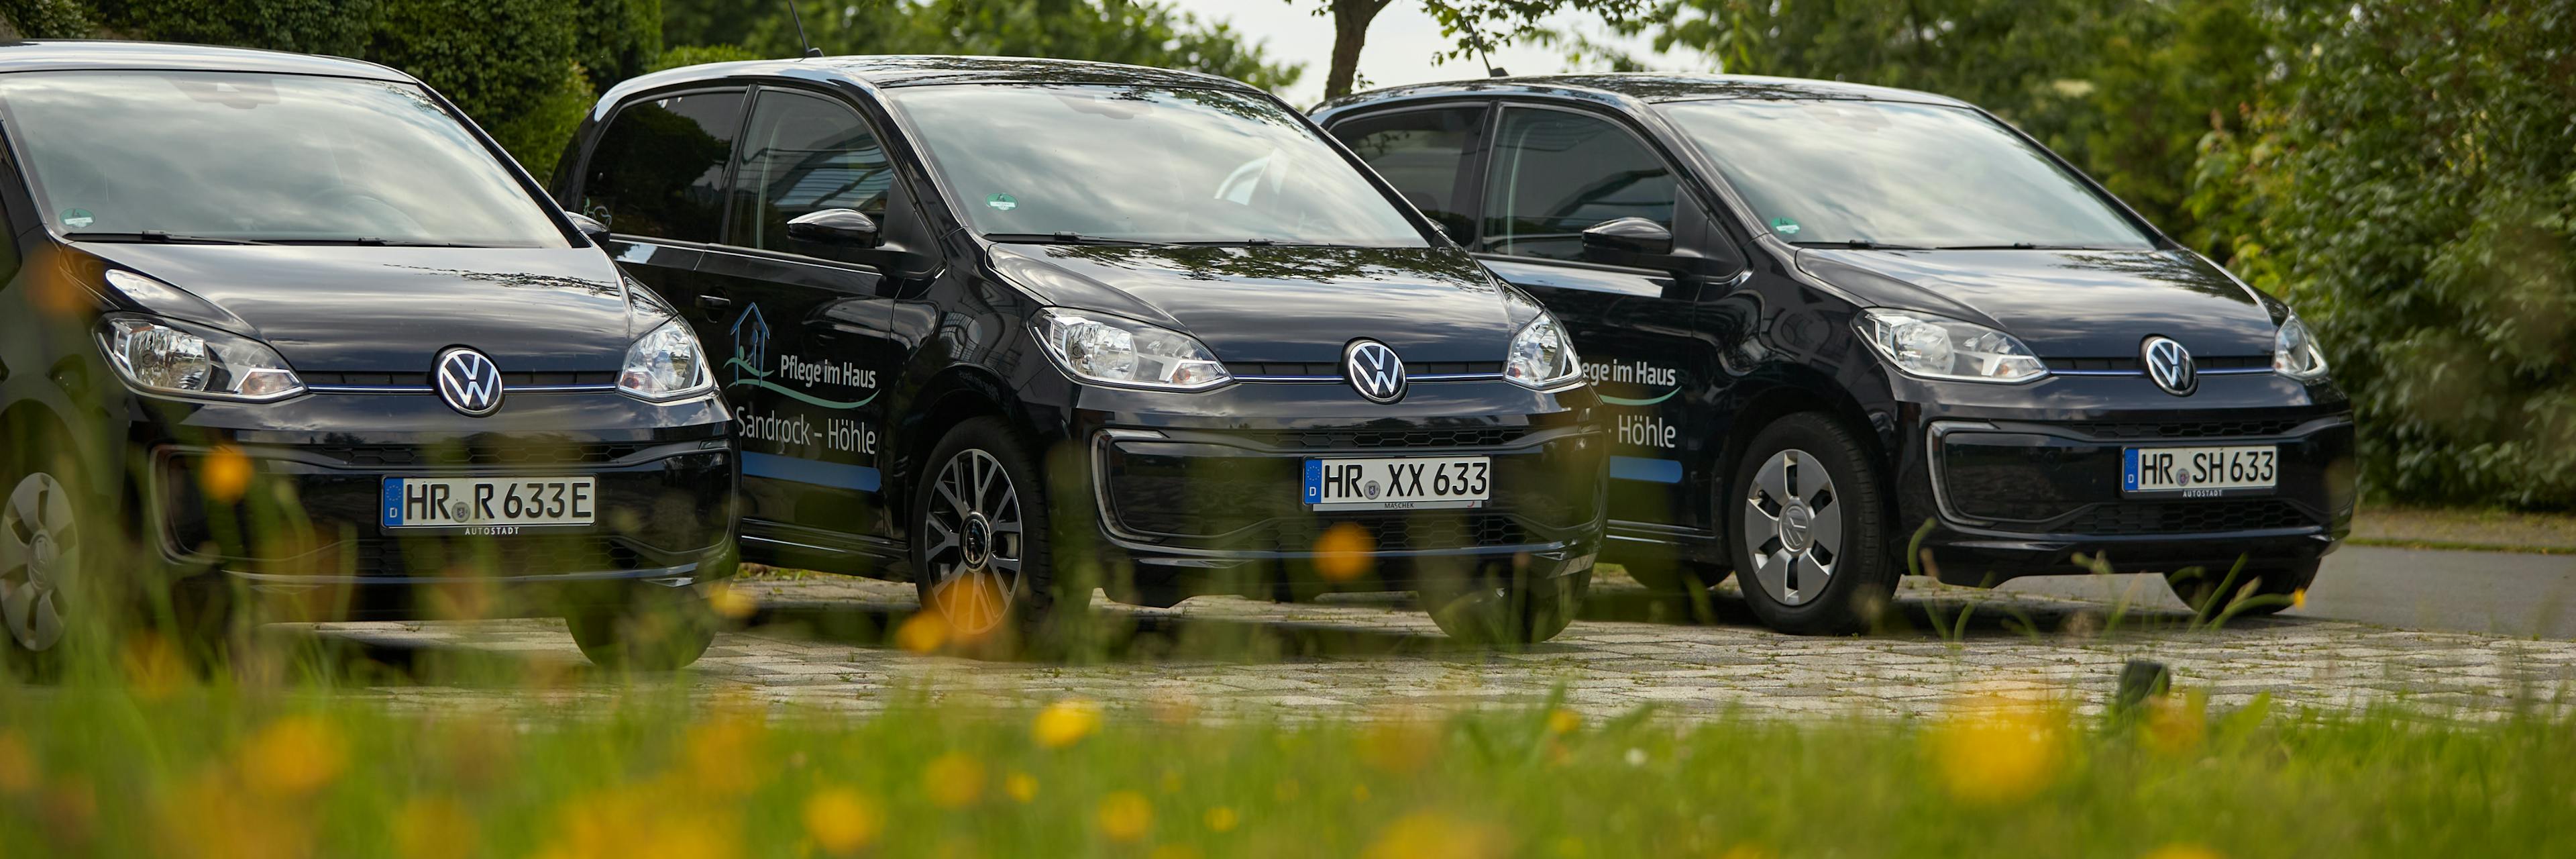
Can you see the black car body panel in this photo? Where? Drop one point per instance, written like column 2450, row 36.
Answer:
column 361, row 324
column 851, row 364
column 1696, row 350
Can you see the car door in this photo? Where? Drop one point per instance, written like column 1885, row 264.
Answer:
column 657, row 178
column 1549, row 173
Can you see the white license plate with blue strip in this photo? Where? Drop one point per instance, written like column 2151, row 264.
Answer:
column 489, row 502
column 2193, row 471
column 1405, row 483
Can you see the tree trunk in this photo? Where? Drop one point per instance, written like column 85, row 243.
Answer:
column 1350, row 30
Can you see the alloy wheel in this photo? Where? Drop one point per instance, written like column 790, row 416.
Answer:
column 39, row 541
column 1794, row 525
column 975, row 535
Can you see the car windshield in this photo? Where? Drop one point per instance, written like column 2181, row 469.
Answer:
column 1892, row 174
column 1145, row 164
column 224, row 156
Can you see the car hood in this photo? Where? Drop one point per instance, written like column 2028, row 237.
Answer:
column 1285, row 304
column 2065, row 304
column 392, row 309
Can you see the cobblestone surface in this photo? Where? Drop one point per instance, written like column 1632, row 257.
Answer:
column 819, row 642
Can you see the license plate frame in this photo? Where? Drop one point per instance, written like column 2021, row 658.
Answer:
column 1402, row 482
column 568, row 501
column 2200, row 471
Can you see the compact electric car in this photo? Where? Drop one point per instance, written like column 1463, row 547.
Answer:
column 1013, row 328
column 289, row 330
column 1836, row 322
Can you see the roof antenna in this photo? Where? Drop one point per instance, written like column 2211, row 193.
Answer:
column 1491, row 70
column 810, row 50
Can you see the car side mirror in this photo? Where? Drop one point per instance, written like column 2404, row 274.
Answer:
column 1621, row 241
column 833, row 227
column 590, row 227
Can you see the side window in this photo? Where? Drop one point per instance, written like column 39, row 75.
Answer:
column 1556, row 174
column 803, row 154
column 659, row 168
column 1422, row 154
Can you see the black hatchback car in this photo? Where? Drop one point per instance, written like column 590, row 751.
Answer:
column 288, row 330
column 1018, row 328
column 1834, row 322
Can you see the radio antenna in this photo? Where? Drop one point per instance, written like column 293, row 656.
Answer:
column 799, row 18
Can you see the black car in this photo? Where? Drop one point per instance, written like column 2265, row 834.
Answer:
column 1849, row 331
column 1014, row 328
column 298, row 334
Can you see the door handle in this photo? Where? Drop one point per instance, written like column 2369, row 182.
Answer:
column 714, row 302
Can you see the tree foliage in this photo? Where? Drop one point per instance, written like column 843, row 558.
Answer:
column 1139, row 32
column 1475, row 27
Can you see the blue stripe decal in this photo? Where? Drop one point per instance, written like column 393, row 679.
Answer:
column 819, row 473
column 1648, row 470
column 393, row 502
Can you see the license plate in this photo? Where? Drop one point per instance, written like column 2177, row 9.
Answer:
column 2192, row 471
column 1410, row 483
column 489, row 502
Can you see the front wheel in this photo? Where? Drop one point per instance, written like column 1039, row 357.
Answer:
column 1808, row 517
column 979, row 533
column 657, row 628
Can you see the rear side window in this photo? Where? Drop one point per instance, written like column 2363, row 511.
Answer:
column 1556, row 174
column 659, row 168
column 1422, row 153
column 804, row 154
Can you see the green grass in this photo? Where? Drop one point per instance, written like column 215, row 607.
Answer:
column 2452, row 528
column 243, row 771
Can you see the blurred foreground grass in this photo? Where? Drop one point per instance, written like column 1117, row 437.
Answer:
column 200, row 771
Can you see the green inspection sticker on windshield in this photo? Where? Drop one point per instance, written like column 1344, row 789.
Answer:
column 1784, row 226
column 1004, row 202
column 78, row 218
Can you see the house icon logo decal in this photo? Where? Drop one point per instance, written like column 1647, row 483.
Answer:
column 750, row 344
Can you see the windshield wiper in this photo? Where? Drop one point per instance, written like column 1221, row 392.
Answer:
column 375, row 242
column 1066, row 239
column 2017, row 246
column 1861, row 244
column 158, row 237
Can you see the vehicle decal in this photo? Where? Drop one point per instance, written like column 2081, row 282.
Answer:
column 751, row 350
column 819, row 473
column 1624, row 401
column 1784, row 226
column 1004, row 202
column 78, row 218
column 1639, row 430
column 1645, row 470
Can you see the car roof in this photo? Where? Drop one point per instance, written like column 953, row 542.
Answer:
column 1638, row 88
column 931, row 69
column 80, row 54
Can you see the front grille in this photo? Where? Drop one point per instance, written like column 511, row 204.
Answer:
column 2188, row 517
column 522, row 379
column 1361, row 439
column 1314, row 368
column 396, row 456
column 2185, row 429
column 2131, row 364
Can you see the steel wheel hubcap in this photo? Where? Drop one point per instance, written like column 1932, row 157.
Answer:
column 974, row 532
column 1793, row 524
column 39, row 541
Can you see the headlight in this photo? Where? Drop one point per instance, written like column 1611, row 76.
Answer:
column 1114, row 351
column 2295, row 352
column 1939, row 347
column 165, row 357
column 665, row 365
column 1542, row 355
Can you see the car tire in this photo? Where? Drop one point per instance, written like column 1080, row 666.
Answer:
column 1806, row 522
column 979, row 534
column 656, row 628
column 1507, row 611
column 2255, row 592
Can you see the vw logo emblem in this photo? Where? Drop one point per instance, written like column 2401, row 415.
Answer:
column 1374, row 370
column 469, row 382
column 2170, row 365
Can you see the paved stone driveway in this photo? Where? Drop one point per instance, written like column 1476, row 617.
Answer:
column 820, row 641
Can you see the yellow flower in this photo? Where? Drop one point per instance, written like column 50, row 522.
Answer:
column 1564, row 721
column 2299, row 598
column 1125, row 816
column 1223, row 819
column 924, row 632
column 428, row 827
column 2182, row 851
column 1993, row 751
column 953, row 780
column 1745, row 851
column 2175, row 723
column 1022, row 787
column 1342, row 552
column 225, row 475
column 721, row 754
column 17, row 764
column 841, row 821
column 734, row 603
column 1424, row 835
column 293, row 756
column 1066, row 722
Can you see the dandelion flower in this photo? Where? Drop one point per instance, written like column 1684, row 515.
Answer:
column 1066, row 722
column 1563, row 721
column 1125, row 816
column 841, row 821
column 923, row 632
column 1223, row 818
column 1342, row 552
column 1423, row 835
column 293, row 756
column 1021, row 786
column 734, row 603
column 1996, row 751
column 953, row 780
column 2182, row 851
column 224, row 475
column 17, row 764
column 2299, row 598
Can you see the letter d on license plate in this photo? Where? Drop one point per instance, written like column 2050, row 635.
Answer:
column 489, row 502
